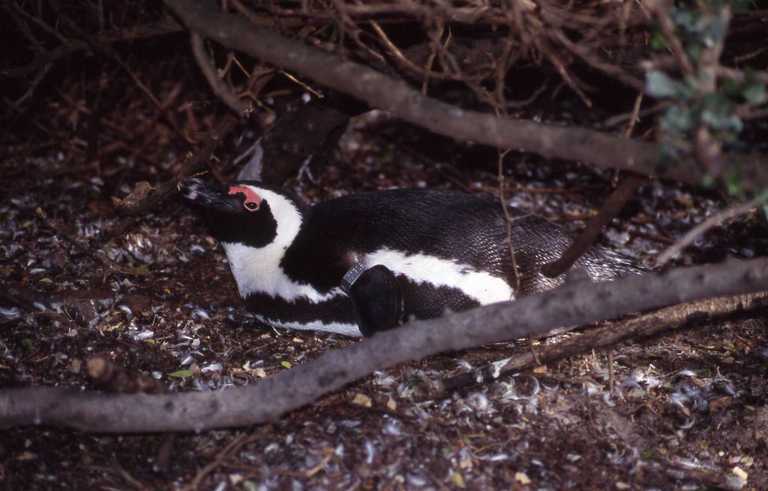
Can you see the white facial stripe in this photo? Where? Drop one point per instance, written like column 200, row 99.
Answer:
column 421, row 268
column 257, row 269
column 334, row 327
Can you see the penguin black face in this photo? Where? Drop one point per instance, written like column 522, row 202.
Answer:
column 239, row 213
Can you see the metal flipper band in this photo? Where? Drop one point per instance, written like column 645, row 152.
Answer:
column 352, row 276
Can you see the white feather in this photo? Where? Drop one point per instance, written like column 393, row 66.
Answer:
column 334, row 327
column 424, row 269
column 257, row 269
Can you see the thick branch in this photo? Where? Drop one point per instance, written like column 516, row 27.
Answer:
column 395, row 96
column 695, row 314
column 294, row 388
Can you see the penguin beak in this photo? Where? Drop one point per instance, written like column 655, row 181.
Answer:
column 208, row 195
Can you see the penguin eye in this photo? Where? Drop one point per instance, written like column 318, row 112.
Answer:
column 252, row 200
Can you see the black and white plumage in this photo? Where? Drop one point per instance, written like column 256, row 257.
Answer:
column 369, row 261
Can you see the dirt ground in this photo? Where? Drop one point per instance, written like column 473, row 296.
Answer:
column 684, row 411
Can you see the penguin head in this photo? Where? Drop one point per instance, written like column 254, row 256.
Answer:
column 243, row 212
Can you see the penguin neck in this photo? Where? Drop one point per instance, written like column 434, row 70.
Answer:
column 258, row 269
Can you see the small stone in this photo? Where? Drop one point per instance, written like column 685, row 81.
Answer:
column 738, row 478
column 458, row 480
column 391, row 405
column 522, row 478
column 719, row 404
column 362, row 400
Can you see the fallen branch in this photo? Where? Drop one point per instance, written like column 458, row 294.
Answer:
column 383, row 92
column 572, row 304
column 700, row 313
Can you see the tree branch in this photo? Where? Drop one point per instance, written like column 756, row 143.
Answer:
column 383, row 92
column 219, row 87
column 695, row 314
column 264, row 401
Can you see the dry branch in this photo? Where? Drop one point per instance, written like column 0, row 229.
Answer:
column 570, row 305
column 694, row 314
column 218, row 86
column 397, row 97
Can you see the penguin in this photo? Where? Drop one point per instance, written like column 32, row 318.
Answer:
column 368, row 262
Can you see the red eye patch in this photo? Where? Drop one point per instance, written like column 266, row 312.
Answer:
column 252, row 200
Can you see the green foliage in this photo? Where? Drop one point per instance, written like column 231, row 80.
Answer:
column 660, row 85
column 698, row 27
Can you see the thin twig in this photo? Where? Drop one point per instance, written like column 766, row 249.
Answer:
column 713, row 221
column 382, row 91
column 507, row 218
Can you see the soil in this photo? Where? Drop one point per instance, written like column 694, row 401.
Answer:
column 685, row 411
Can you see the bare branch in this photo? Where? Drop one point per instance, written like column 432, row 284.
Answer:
column 221, row 89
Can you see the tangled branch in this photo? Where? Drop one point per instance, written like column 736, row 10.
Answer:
column 397, row 97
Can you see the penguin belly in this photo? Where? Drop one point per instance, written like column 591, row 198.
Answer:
column 334, row 315
column 427, row 286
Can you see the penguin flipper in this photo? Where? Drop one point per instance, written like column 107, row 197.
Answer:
column 378, row 300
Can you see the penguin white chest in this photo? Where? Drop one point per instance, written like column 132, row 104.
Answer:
column 258, row 270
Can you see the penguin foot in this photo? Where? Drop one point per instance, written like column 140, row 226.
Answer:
column 377, row 299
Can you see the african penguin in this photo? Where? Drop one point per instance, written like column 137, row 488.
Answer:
column 371, row 261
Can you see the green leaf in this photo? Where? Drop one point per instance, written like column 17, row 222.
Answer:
column 659, row 84
column 755, row 93
column 722, row 122
column 684, row 19
column 708, row 181
column 286, row 364
column 658, row 43
column 181, row 374
column 733, row 184
column 677, row 119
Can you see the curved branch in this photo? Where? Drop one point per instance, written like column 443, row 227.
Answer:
column 297, row 387
column 383, row 92
column 218, row 86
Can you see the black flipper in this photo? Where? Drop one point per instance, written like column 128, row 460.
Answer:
column 378, row 300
